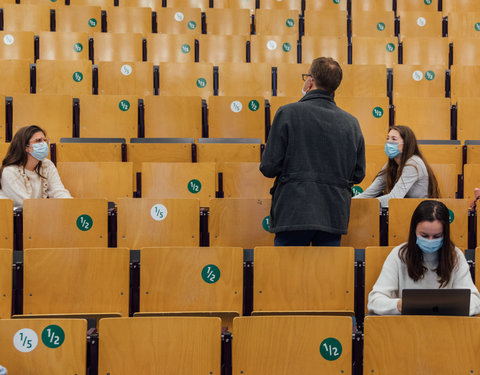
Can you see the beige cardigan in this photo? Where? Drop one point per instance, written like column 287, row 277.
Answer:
column 17, row 186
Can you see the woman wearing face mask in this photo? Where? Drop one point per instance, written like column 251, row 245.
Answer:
column 26, row 173
column 428, row 260
column 406, row 174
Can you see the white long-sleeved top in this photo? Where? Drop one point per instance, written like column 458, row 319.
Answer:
column 386, row 292
column 19, row 183
column 413, row 183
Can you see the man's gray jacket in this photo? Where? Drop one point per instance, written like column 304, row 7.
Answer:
column 316, row 152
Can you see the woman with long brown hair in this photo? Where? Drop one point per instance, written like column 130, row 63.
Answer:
column 406, row 174
column 429, row 260
column 26, row 172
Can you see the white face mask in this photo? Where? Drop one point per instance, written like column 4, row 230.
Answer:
column 303, row 89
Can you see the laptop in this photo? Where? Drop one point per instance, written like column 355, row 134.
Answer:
column 436, row 302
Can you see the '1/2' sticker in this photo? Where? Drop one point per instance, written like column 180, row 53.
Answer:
column 210, row 274
column 84, row 223
column 53, row 336
column 356, row 190
column 266, row 223
column 194, row 186
column 331, row 349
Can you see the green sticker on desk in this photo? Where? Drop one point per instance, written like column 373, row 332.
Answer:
column 253, row 105
column 290, row 22
column 451, row 216
column 357, row 190
column 192, row 25
column 201, row 83
column 84, row 223
column 266, row 223
column 194, row 186
column 429, row 75
column 211, row 274
column 390, row 47
column 53, row 336
column 377, row 112
column 331, row 349
column 124, row 105
column 380, row 26
column 92, row 22
column 77, row 77
column 185, row 48
column 77, row 47
column 428, row 2
column 286, row 47
column 336, row 1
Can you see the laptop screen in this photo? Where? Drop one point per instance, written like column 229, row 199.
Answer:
column 436, row 302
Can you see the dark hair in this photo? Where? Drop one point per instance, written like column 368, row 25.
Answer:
column 393, row 171
column 412, row 256
column 326, row 73
column 16, row 154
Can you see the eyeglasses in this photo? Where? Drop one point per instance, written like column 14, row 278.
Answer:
column 304, row 76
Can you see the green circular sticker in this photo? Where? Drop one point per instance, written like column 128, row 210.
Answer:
column 210, row 274
column 192, row 25
column 429, row 75
column 84, row 223
column 336, row 1
column 377, row 112
column 253, row 105
column 331, row 349
column 356, row 190
column 286, row 47
column 77, row 47
column 53, row 336
column 428, row 2
column 124, row 105
column 477, row 26
column 451, row 216
column 77, row 77
column 381, row 26
column 290, row 22
column 53, row 1
column 185, row 48
column 201, row 82
column 92, row 22
column 390, row 47
column 266, row 223
column 194, row 186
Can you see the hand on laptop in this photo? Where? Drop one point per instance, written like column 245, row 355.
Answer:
column 399, row 305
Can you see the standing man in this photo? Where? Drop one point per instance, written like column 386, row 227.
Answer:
column 316, row 152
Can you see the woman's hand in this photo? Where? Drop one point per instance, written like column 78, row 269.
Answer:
column 473, row 204
column 399, row 305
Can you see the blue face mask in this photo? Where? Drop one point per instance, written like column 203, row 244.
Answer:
column 40, row 150
column 429, row 246
column 391, row 149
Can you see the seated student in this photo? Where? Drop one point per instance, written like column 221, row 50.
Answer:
column 25, row 171
column 406, row 174
column 428, row 260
